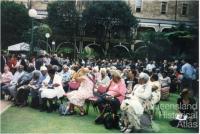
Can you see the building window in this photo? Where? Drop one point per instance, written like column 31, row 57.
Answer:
column 184, row 9
column 163, row 7
column 138, row 5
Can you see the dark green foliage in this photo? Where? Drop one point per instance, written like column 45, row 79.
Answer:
column 63, row 18
column 114, row 17
column 39, row 31
column 155, row 46
column 14, row 22
column 184, row 42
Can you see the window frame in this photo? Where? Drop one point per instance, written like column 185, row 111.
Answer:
column 166, row 8
column 186, row 13
column 139, row 7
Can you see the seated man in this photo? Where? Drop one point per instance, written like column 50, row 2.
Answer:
column 66, row 76
column 23, row 91
column 36, row 84
column 13, row 83
column 21, row 86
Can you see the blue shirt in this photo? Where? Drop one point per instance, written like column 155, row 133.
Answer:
column 42, row 78
column 188, row 71
column 66, row 76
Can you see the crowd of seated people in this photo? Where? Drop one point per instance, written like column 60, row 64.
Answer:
column 133, row 87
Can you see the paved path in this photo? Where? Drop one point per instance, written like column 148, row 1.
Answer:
column 4, row 105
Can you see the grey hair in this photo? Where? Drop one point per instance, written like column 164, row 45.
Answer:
column 36, row 74
column 144, row 76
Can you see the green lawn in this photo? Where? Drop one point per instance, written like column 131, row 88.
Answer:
column 21, row 120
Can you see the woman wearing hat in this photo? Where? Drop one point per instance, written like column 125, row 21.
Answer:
column 77, row 98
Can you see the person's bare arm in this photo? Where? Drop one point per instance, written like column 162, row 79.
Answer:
column 79, row 79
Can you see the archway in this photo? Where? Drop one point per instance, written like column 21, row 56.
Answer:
column 120, row 51
column 96, row 48
column 143, row 29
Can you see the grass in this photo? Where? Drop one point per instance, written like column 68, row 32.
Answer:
column 23, row 120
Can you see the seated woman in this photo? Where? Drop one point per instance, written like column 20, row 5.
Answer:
column 156, row 89
column 6, row 78
column 165, row 86
column 103, row 84
column 52, row 88
column 77, row 98
column 73, row 84
column 187, row 111
column 134, row 107
column 97, row 74
column 114, row 95
column 131, row 81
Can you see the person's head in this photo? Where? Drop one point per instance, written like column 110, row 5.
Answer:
column 55, row 55
column 36, row 75
column 51, row 73
column 55, row 67
column 130, row 75
column 103, row 72
column 116, row 76
column 95, row 69
column 6, row 69
column 185, row 93
column 30, row 68
column 143, row 78
column 164, row 74
column 43, row 70
column 65, row 68
column 154, row 77
column 75, row 68
column 13, row 56
column 83, row 71
column 183, row 61
column 20, row 68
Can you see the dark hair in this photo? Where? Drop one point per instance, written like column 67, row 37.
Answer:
column 155, row 77
column 30, row 69
column 51, row 71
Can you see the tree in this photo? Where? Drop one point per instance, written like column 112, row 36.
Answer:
column 14, row 22
column 63, row 18
column 153, row 45
column 115, row 16
column 39, row 32
column 185, row 42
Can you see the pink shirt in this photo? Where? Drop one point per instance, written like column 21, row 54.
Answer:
column 116, row 89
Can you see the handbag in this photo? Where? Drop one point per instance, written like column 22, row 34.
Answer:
column 63, row 109
column 101, row 89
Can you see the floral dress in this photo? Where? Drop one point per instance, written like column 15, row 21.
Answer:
column 84, row 92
